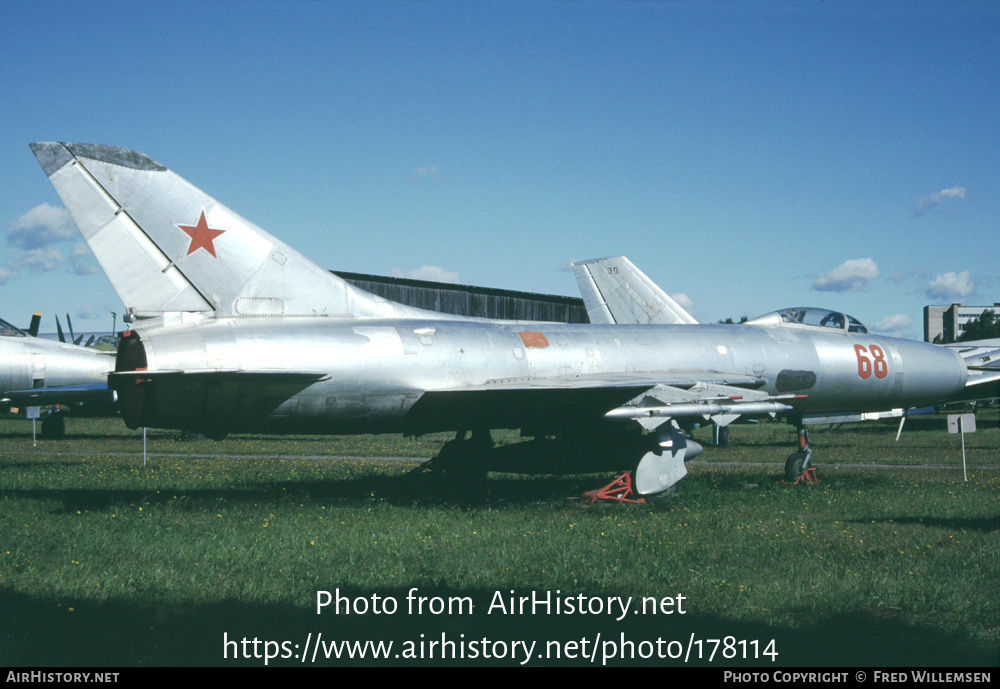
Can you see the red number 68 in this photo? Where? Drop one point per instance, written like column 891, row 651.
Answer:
column 876, row 364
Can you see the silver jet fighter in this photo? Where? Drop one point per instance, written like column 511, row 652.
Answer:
column 233, row 330
column 38, row 372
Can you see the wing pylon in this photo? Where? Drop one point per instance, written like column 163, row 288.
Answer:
column 722, row 404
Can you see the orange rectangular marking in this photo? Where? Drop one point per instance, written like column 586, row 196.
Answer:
column 531, row 339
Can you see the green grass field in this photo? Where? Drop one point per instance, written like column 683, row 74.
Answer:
column 106, row 562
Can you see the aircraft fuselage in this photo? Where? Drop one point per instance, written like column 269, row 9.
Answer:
column 354, row 376
column 30, row 362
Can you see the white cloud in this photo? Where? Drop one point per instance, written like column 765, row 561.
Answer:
column 852, row 275
column 40, row 260
column 925, row 203
column 950, row 286
column 684, row 301
column 32, row 240
column 425, row 172
column 79, row 261
column 39, row 227
column 432, row 273
column 893, row 323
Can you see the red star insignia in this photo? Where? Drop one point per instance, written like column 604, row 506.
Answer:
column 201, row 235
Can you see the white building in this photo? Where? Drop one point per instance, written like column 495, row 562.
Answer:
column 949, row 322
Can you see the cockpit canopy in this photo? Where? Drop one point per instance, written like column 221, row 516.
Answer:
column 810, row 317
column 8, row 330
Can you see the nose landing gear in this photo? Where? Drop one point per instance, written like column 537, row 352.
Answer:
column 799, row 464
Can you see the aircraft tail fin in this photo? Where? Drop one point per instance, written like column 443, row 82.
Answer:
column 615, row 291
column 36, row 320
column 72, row 336
column 167, row 246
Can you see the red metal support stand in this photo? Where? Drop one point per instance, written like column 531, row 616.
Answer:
column 809, row 475
column 620, row 489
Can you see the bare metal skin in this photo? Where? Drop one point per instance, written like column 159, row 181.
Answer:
column 232, row 330
column 37, row 372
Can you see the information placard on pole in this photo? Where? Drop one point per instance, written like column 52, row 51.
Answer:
column 33, row 413
column 962, row 424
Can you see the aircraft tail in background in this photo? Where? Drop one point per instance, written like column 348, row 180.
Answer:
column 616, row 292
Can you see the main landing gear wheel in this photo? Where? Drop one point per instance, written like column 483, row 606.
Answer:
column 720, row 435
column 461, row 466
column 54, row 426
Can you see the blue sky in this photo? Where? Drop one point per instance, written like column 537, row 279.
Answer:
column 746, row 155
